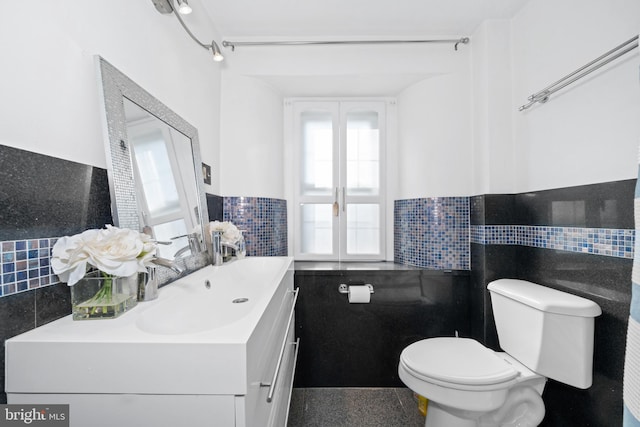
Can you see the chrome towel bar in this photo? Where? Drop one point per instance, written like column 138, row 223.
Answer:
column 543, row 95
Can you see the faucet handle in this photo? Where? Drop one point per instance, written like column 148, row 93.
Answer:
column 194, row 242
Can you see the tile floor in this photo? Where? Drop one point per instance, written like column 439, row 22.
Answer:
column 354, row 407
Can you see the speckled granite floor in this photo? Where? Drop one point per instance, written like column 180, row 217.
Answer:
column 354, row 407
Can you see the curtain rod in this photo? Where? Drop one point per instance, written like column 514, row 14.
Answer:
column 543, row 95
column 233, row 45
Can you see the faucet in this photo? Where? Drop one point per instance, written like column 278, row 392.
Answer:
column 181, row 252
column 216, row 241
column 194, row 245
column 223, row 249
column 230, row 246
column 148, row 284
column 163, row 262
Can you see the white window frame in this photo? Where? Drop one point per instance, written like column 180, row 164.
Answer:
column 339, row 109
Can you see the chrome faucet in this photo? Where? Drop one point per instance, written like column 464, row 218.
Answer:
column 230, row 246
column 182, row 251
column 216, row 241
column 148, row 284
column 194, row 245
column 163, row 262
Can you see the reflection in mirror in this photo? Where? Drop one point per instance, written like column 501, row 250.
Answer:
column 165, row 175
column 155, row 173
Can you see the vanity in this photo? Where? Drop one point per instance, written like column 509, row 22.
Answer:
column 216, row 348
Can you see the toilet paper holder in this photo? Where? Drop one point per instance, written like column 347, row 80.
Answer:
column 344, row 288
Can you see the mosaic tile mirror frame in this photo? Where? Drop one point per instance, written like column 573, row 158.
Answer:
column 116, row 89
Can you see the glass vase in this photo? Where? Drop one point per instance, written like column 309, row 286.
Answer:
column 101, row 296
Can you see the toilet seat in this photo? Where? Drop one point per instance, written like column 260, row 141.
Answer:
column 459, row 363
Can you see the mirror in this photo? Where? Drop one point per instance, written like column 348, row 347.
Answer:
column 154, row 168
column 163, row 170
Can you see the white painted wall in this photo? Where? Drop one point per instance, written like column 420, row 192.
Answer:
column 589, row 132
column 493, row 148
column 434, row 148
column 251, row 129
column 48, row 84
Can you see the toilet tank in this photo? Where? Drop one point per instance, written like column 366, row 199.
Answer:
column 549, row 331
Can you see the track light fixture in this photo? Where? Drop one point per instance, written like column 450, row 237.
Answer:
column 217, row 55
column 183, row 7
column 168, row 6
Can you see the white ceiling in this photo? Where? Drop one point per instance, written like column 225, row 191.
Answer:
column 263, row 20
column 354, row 18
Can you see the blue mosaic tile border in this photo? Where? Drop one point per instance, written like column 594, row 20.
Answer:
column 598, row 241
column 264, row 221
column 25, row 265
column 432, row 233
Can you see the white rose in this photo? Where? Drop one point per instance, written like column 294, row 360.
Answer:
column 116, row 251
column 68, row 260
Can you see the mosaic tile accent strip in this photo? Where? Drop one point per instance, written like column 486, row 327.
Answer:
column 264, row 221
column 432, row 233
column 26, row 265
column 598, row 241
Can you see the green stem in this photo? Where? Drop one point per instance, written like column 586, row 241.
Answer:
column 104, row 294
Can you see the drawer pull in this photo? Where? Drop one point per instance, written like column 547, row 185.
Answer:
column 274, row 380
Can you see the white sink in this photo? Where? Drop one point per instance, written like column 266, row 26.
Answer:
column 212, row 298
column 192, row 340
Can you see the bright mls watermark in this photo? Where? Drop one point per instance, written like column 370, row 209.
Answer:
column 34, row 415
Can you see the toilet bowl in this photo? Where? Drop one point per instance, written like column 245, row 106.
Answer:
column 469, row 385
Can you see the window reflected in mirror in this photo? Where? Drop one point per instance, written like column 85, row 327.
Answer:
column 166, row 198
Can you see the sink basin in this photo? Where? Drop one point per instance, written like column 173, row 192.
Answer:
column 212, row 298
column 204, row 309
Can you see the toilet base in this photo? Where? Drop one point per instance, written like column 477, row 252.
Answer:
column 523, row 408
column 438, row 417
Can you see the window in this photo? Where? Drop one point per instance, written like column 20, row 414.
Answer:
column 339, row 194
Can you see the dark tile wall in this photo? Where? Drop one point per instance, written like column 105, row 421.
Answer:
column 264, row 222
column 359, row 345
column 603, row 279
column 215, row 206
column 432, row 232
column 43, row 197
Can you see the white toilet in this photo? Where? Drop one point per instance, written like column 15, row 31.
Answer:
column 545, row 333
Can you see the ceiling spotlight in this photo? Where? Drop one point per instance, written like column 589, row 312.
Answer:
column 184, row 8
column 217, row 55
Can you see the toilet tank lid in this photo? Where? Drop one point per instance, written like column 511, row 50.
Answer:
column 545, row 299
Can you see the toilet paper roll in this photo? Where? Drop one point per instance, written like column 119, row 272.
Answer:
column 359, row 294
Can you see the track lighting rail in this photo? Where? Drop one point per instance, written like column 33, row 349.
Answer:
column 234, row 44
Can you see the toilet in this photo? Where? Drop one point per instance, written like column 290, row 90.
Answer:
column 545, row 333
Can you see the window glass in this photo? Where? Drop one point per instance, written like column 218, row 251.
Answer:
column 317, row 224
column 363, row 153
column 317, row 153
column 363, row 229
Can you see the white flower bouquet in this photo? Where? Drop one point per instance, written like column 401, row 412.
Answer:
column 106, row 262
column 114, row 251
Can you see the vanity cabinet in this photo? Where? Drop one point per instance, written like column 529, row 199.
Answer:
column 212, row 364
column 270, row 365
